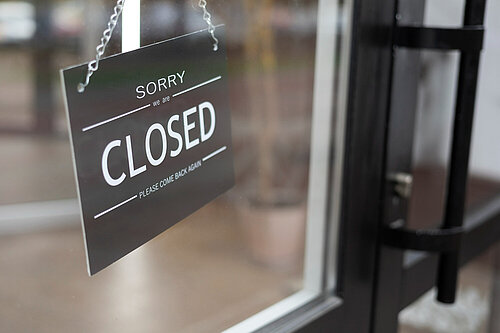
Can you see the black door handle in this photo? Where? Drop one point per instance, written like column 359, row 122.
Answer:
column 446, row 241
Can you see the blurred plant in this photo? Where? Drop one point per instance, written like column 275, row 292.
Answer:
column 279, row 143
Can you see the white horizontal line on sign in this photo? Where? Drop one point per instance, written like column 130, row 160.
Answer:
column 218, row 151
column 197, row 86
column 114, row 118
column 114, row 207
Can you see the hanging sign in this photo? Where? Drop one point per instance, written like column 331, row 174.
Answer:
column 151, row 139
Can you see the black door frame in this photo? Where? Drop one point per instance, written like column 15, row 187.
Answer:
column 375, row 281
column 400, row 135
column 363, row 180
column 349, row 307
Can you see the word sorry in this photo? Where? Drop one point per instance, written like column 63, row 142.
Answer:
column 163, row 83
column 183, row 141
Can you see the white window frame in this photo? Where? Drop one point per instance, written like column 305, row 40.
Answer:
column 325, row 184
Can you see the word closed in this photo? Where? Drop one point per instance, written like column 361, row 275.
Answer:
column 185, row 140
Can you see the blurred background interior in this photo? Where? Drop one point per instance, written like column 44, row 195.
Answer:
column 243, row 252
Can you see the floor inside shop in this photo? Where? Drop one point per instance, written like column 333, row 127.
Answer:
column 198, row 276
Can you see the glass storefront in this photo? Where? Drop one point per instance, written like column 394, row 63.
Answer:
column 233, row 258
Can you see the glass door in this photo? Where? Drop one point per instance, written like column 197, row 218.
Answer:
column 261, row 252
column 293, row 247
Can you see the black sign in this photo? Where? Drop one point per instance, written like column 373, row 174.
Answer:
column 151, row 139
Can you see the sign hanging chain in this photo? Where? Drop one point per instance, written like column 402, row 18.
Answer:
column 208, row 18
column 93, row 66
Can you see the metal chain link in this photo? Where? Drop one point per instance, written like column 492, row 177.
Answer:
column 208, row 18
column 93, row 66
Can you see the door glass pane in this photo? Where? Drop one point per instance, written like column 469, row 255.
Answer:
column 434, row 120
column 231, row 259
column 476, row 308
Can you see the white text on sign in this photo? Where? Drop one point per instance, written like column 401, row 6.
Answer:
column 186, row 140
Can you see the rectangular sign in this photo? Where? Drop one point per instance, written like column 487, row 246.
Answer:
column 151, row 139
